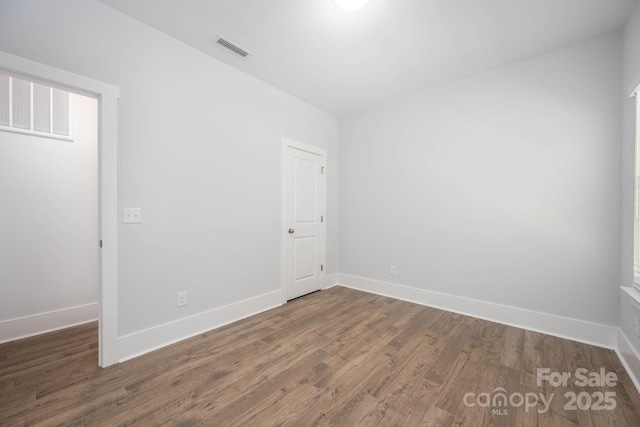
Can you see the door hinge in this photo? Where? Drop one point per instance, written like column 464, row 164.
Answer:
column 321, row 218
column 322, row 169
column 321, row 267
column 100, row 243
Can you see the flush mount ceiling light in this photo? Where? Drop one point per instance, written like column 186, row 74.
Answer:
column 351, row 4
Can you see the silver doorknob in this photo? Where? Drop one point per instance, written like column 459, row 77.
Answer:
column 291, row 231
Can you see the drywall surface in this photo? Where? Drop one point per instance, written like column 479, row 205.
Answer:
column 503, row 187
column 198, row 151
column 49, row 224
column 631, row 36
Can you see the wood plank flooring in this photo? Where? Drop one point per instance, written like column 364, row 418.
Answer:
column 336, row 357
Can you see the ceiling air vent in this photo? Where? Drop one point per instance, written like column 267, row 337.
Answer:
column 231, row 47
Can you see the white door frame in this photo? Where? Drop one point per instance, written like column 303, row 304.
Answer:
column 107, row 97
column 286, row 143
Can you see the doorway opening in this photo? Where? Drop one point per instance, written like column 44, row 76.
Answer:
column 50, row 227
column 105, row 98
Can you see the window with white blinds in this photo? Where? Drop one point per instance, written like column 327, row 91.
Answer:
column 31, row 107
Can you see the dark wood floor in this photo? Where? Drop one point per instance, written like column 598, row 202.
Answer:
column 337, row 357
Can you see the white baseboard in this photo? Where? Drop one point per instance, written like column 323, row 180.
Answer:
column 563, row 327
column 40, row 323
column 148, row 340
column 629, row 358
column 330, row 280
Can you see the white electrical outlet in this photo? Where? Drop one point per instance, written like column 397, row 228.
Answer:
column 182, row 299
column 392, row 270
column 131, row 215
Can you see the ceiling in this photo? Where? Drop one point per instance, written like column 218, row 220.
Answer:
column 345, row 61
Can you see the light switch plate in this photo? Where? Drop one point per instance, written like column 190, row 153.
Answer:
column 131, row 215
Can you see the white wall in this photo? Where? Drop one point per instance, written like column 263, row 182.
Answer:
column 503, row 187
column 631, row 34
column 199, row 151
column 49, row 227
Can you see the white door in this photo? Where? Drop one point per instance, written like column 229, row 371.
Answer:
column 303, row 218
